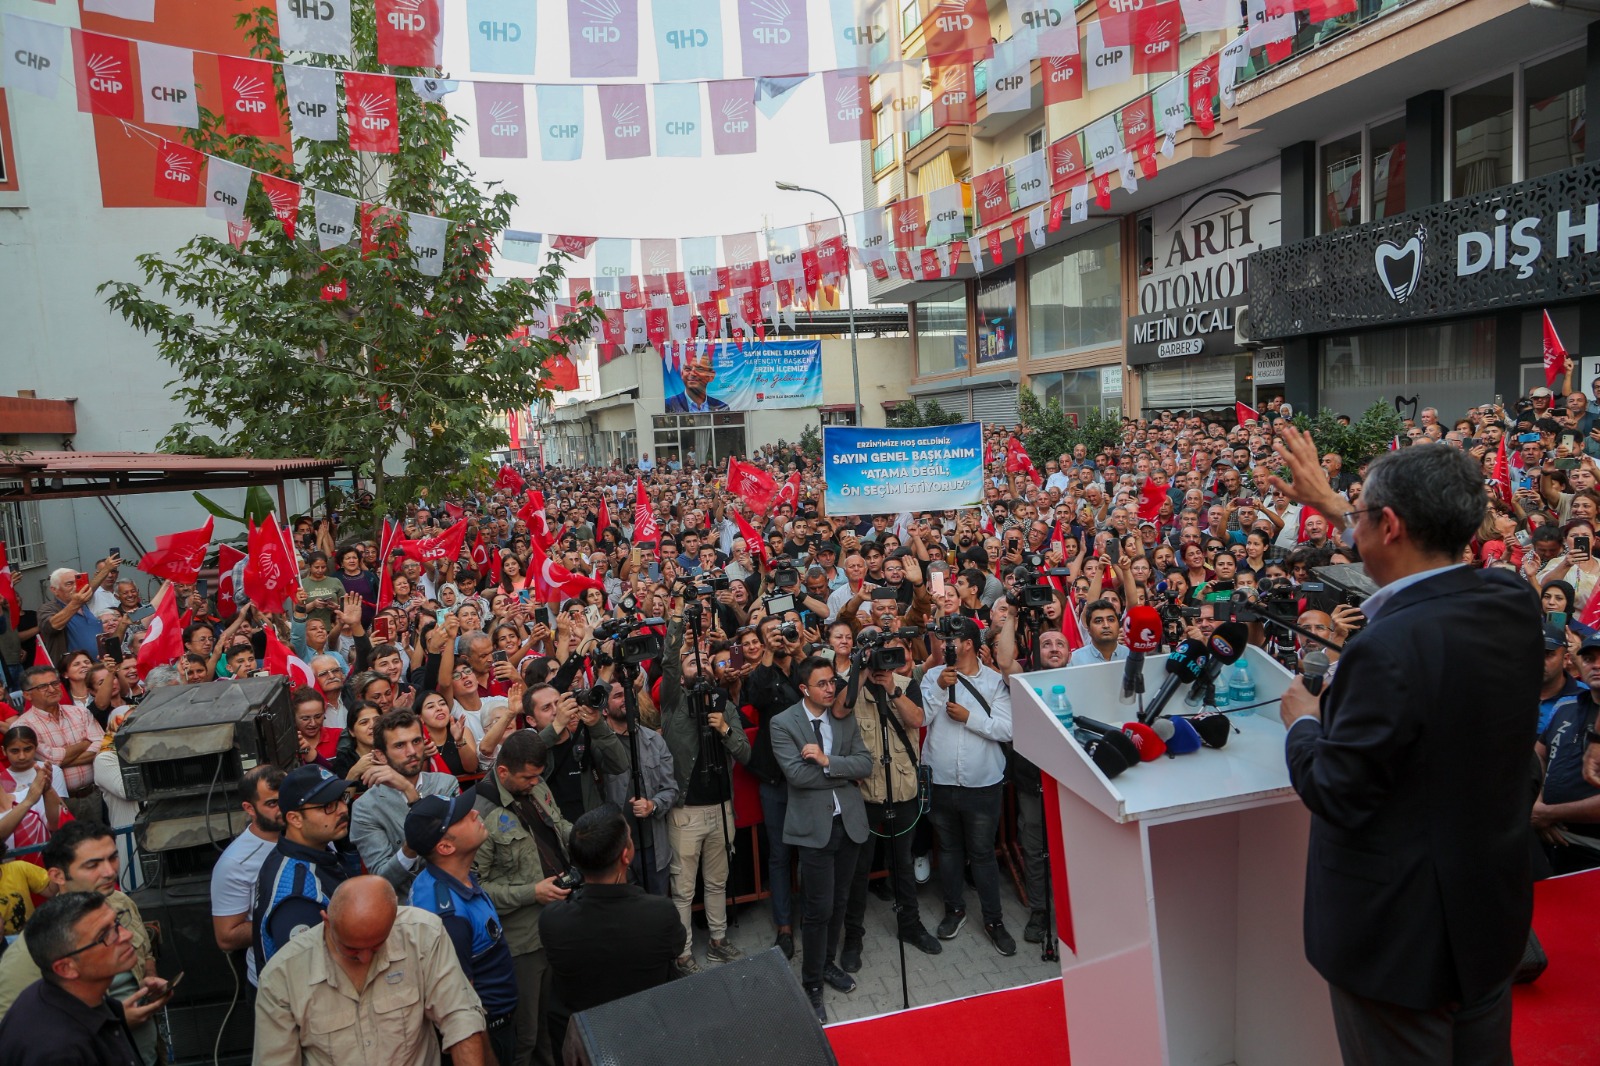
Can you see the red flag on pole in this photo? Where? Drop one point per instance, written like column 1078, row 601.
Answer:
column 752, row 539
column 751, row 484
column 444, row 547
column 229, row 579
column 645, row 529
column 163, row 642
column 8, row 589
column 1151, row 496
column 1071, row 628
column 1243, row 412
column 602, row 520
column 553, row 582
column 269, row 572
column 1502, row 473
column 178, row 556
column 508, row 480
column 1555, row 354
column 790, row 492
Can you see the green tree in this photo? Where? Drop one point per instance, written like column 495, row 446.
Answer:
column 909, row 414
column 1364, row 439
column 810, row 443
column 267, row 367
column 1047, row 431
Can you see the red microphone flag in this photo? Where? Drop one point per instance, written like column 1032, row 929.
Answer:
column 179, row 556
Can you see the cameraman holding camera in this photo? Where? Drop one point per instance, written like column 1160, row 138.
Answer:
column 772, row 688
column 701, row 728
column 647, row 814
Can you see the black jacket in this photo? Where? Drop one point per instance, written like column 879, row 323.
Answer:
column 606, row 942
column 1418, row 888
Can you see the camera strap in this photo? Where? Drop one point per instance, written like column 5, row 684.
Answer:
column 978, row 695
column 899, row 730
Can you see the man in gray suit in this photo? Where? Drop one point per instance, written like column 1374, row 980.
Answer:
column 822, row 756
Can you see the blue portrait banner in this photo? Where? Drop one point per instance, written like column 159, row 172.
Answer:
column 888, row 471
column 761, row 374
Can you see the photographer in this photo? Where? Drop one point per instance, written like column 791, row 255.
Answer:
column 772, row 688
column 702, row 729
column 887, row 715
column 649, row 813
column 582, row 747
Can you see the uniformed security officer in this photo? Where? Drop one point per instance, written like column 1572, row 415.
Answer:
column 303, row 870
column 376, row 985
column 447, row 833
column 517, row 864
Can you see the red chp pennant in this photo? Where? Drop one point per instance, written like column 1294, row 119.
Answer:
column 1019, row 229
column 104, row 70
column 908, row 223
column 179, row 556
column 1202, row 93
column 1063, row 79
column 163, row 641
column 178, row 173
column 997, row 245
column 990, row 197
column 645, row 529
column 284, row 197
column 270, row 572
column 1155, row 38
column 408, row 33
column 1102, row 191
column 8, row 588
column 445, row 546
column 751, row 484
column 229, row 579
column 1066, row 162
column 1555, row 353
column 954, row 101
column 1139, row 133
column 249, row 99
column 956, row 26
column 371, row 112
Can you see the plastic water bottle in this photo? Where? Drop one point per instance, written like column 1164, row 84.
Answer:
column 1241, row 686
column 1061, row 707
column 1219, row 695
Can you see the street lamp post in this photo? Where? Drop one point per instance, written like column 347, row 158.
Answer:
column 849, row 288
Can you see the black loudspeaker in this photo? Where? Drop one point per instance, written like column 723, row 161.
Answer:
column 180, row 919
column 751, row 1011
column 198, row 740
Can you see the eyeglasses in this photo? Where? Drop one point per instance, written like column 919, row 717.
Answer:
column 825, row 683
column 44, row 684
column 111, row 934
column 331, row 807
column 1351, row 516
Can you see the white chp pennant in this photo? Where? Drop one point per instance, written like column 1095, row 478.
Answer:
column 975, row 252
column 688, row 37
column 783, row 254
column 1103, row 144
column 426, row 235
column 1172, row 111
column 1104, row 65
column 314, row 26
column 1010, row 78
column 166, row 79
column 872, row 235
column 700, row 264
column 227, row 185
column 658, row 255
column 946, row 218
column 1231, row 61
column 1036, row 227
column 336, row 218
column 502, row 120
column 613, row 259
column 313, row 94
column 1044, row 27
column 678, row 119
column 855, row 28
column 679, row 318
column 522, row 245
column 132, row 10
column 502, row 36
column 1271, row 21
column 1031, row 178
column 1080, row 203
column 1202, row 15
column 33, row 55
column 433, row 90
column 560, row 122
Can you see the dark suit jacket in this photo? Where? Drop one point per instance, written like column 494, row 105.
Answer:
column 606, row 942
column 1418, row 888
column 808, row 821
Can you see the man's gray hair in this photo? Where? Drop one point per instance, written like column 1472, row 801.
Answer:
column 65, row 574
column 1437, row 492
column 162, row 676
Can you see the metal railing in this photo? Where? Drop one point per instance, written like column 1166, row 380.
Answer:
column 883, row 155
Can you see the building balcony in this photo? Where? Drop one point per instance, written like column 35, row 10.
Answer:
column 883, row 156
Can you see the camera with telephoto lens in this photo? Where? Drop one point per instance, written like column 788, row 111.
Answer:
column 594, row 697
column 1032, row 591
column 786, row 575
column 635, row 643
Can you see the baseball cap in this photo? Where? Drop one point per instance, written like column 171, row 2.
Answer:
column 1590, row 643
column 1541, row 391
column 1556, row 637
column 828, row 546
column 309, row 786
column 431, row 817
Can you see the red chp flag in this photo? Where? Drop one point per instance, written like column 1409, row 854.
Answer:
column 8, row 588
column 371, row 112
column 163, row 642
column 508, row 480
column 442, row 548
column 104, row 71
column 284, row 197
column 990, row 197
column 1243, row 412
column 1202, row 92
column 178, row 556
column 270, row 573
column 751, row 484
column 645, row 529
column 1502, row 474
column 752, row 539
column 249, row 99
column 1155, row 38
column 1555, row 353
column 1151, row 497
column 229, row 579
column 408, row 33
column 284, row 663
column 178, row 170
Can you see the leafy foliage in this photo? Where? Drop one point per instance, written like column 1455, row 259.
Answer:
column 810, row 443
column 909, row 414
column 1047, row 431
column 1366, row 438
column 267, row 367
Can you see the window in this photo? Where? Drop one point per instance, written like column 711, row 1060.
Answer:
column 1036, row 140
column 705, row 438
column 1075, row 295
column 1553, row 114
column 8, row 163
column 910, row 18
column 1340, row 165
column 941, row 329
column 22, row 531
column 1077, row 391
column 1386, row 145
column 997, row 315
column 1363, row 175
column 1450, row 366
column 1481, row 138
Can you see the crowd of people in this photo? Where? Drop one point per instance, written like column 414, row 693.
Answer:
column 517, row 767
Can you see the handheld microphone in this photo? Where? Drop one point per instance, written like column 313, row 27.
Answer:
column 1212, row 726
column 1185, row 664
column 1150, row 743
column 1106, row 755
column 1314, row 669
column 1110, row 735
column 1223, row 649
column 1144, row 636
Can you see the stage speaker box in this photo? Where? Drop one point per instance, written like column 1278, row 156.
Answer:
column 181, row 839
column 180, row 919
column 198, row 740
column 751, row 1011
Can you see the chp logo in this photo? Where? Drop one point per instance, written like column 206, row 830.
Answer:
column 178, row 164
column 249, row 94
column 772, row 22
column 372, row 112
column 600, row 18
column 505, row 118
column 908, row 218
column 954, row 86
column 406, row 16
column 952, row 16
column 105, row 73
column 625, row 120
column 1399, row 265
column 285, row 203
column 848, row 102
column 1158, row 38
column 735, row 116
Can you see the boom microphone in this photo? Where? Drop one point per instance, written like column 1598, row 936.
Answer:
column 1184, row 665
column 1314, row 667
column 1223, row 649
column 1144, row 636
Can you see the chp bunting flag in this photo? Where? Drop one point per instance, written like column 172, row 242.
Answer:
column 32, row 55
column 1502, row 474
column 282, row 662
column 1555, row 353
column 163, row 641
column 751, row 484
column 1202, row 92
column 1151, row 497
column 408, row 33
column 270, row 572
column 230, row 579
column 284, row 197
column 371, row 112
column 1243, row 412
column 104, row 69
column 178, row 173
column 1063, row 79
column 444, row 547
column 645, row 529
column 166, row 84
column 249, row 100
column 8, row 588
column 179, row 556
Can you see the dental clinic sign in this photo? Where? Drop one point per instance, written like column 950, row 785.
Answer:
column 1533, row 243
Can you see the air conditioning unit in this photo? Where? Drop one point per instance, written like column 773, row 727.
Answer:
column 1243, row 335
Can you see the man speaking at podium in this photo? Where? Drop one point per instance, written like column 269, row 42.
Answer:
column 1414, row 764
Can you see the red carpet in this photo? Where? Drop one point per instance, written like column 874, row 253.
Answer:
column 1557, row 1017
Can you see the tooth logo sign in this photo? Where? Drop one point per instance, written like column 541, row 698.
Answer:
column 105, row 73
column 507, row 118
column 773, row 16
column 1400, row 265
column 247, row 92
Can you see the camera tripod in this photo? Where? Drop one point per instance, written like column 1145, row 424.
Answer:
column 627, row 674
column 711, row 748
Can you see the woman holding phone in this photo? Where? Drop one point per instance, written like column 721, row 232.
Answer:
column 1576, row 565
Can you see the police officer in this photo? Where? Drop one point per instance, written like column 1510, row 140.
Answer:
column 299, row 877
column 447, row 833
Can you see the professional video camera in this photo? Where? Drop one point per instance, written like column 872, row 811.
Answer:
column 872, row 652
column 785, row 574
column 1033, row 592
column 635, row 644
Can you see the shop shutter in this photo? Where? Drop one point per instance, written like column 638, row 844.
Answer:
column 1201, row 384
column 996, row 404
column 955, row 402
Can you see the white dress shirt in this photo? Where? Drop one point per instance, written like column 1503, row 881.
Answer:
column 966, row 753
column 827, row 744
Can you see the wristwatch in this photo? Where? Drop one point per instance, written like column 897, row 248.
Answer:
column 1591, row 736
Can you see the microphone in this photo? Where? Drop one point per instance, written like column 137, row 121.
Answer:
column 1185, row 664
column 1314, row 667
column 1146, row 739
column 1110, row 735
column 1184, row 739
column 1212, row 726
column 1144, row 636
column 1106, row 756
column 1223, row 649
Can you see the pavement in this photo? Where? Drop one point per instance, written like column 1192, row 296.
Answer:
column 969, row 965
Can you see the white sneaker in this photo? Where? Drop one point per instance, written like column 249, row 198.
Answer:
column 922, row 867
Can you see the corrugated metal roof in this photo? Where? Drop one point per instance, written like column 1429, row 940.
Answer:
column 89, row 464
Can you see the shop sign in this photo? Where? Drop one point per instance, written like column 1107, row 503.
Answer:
column 1111, row 381
column 1206, row 329
column 1268, row 368
column 1200, row 244
column 1536, row 242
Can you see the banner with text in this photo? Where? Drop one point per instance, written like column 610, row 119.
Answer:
column 734, row 377
column 887, row 471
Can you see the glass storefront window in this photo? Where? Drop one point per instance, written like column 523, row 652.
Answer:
column 1481, row 138
column 1553, row 123
column 1075, row 295
column 707, row 439
column 941, row 324
column 997, row 315
column 1340, row 162
column 1077, row 391
column 1387, row 145
column 1449, row 366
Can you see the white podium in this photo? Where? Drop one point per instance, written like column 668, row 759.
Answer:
column 1186, row 878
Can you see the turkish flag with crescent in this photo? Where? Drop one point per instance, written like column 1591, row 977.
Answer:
column 163, row 642
column 178, row 556
column 284, row 663
column 790, row 493
column 553, row 582
column 508, row 480
column 230, row 579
